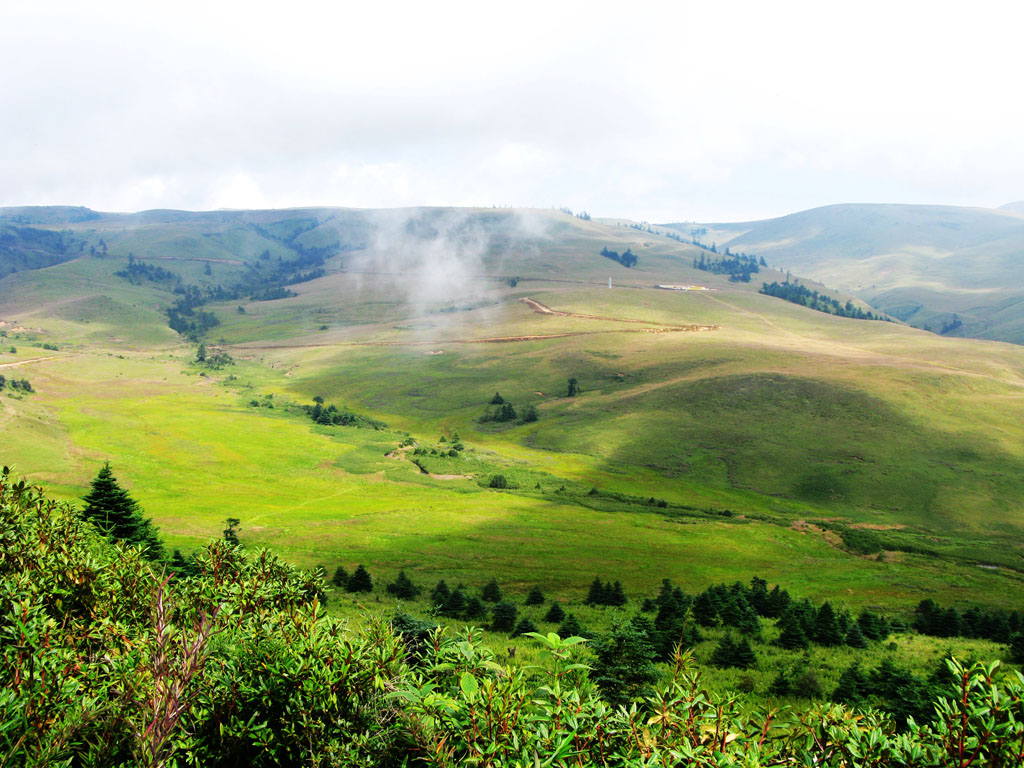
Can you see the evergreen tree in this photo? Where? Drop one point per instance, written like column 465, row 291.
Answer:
column 182, row 566
column 491, row 593
column 792, row 635
column 117, row 515
column 855, row 638
column 854, row 686
column 744, row 656
column 616, row 595
column 758, row 595
column 870, row 626
column 665, row 593
column 724, row 654
column 781, row 685
column 454, row 605
column 403, row 588
column 555, row 614
column 524, row 626
column 340, row 577
column 596, row 595
column 777, row 603
column 503, row 617
column 624, row 667
column 231, row 532
column 360, row 581
column 745, row 619
column 1017, row 647
column 439, row 594
column 536, row 597
column 705, row 609
column 474, row 609
column 497, row 399
column 826, row 628
column 574, row 388
column 570, row 627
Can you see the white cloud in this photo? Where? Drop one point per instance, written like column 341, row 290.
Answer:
column 688, row 111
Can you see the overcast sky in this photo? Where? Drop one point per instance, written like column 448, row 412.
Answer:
column 670, row 111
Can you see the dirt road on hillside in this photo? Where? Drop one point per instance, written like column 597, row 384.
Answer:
column 26, row 362
column 543, row 309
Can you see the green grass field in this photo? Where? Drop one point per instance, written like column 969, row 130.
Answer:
column 750, row 433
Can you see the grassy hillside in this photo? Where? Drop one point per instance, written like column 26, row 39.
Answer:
column 719, row 434
column 948, row 269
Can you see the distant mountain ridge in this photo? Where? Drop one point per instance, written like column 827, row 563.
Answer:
column 950, row 269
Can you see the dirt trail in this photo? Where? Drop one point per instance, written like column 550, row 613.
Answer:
column 543, row 309
column 188, row 258
column 26, row 362
column 482, row 340
column 650, row 327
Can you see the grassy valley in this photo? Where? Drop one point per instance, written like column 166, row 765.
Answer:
column 752, row 417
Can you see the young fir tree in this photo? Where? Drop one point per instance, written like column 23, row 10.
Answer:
column 555, row 614
column 524, row 626
column 1017, row 647
column 536, row 597
column 616, row 595
column 744, row 656
column 826, row 627
column 777, row 603
column 439, row 594
column 503, row 617
column 117, row 515
column 855, row 638
column 455, row 604
column 854, row 686
column 792, row 635
column 571, row 627
column 706, row 608
column 624, row 668
column 781, row 685
column 231, row 532
column 491, row 592
column 724, row 654
column 181, row 566
column 360, row 581
column 340, row 577
column 475, row 609
column 403, row 588
column 596, row 595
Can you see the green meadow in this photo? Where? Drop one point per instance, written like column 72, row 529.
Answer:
column 769, row 439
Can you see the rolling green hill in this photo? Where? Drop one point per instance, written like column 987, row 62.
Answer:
column 952, row 270
column 720, row 433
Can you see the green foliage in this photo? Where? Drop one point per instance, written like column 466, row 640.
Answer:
column 340, row 577
column 455, row 605
column 503, row 617
column 231, row 531
column 624, row 666
column 491, row 592
column 498, row 481
column 102, row 662
column 525, row 626
column 17, row 385
column 555, row 614
column 801, row 294
column 360, row 580
column 535, row 596
column 117, row 515
column 402, row 587
column 439, row 594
